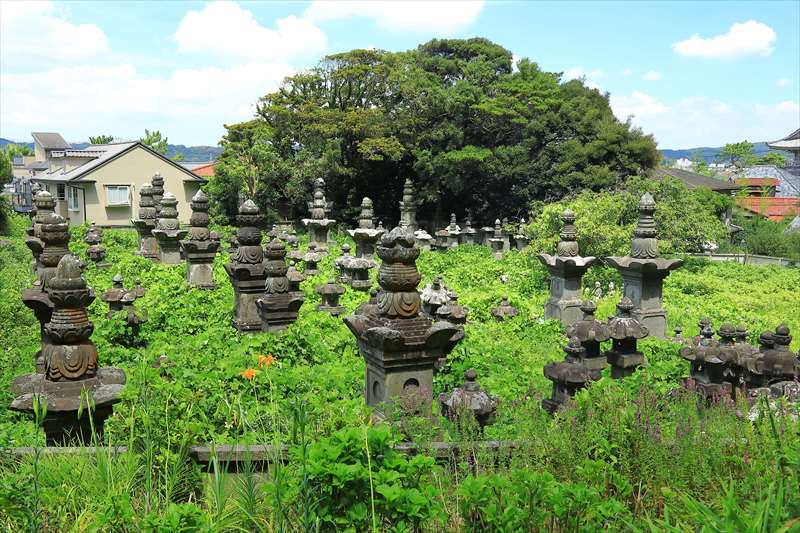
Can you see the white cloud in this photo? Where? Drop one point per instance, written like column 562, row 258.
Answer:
column 36, row 33
column 651, row 75
column 431, row 16
column 590, row 78
column 627, row 72
column 123, row 101
column 700, row 121
column 783, row 82
column 742, row 39
column 224, row 28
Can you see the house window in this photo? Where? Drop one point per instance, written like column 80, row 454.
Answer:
column 61, row 191
column 73, row 199
column 117, row 195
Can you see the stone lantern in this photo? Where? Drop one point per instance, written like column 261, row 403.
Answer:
column 468, row 234
column 53, row 238
column 319, row 224
column 71, row 365
column 625, row 331
column 146, row 223
column 157, row 184
column 702, row 324
column 359, row 268
column 440, row 239
column 400, row 345
column 311, row 260
column 643, row 271
column 423, row 239
column 330, row 293
column 433, row 296
column 520, row 238
column 568, row 376
column 455, row 314
column 279, row 305
column 590, row 332
column 168, row 231
column 566, row 269
column 776, row 367
column 408, row 207
column 504, row 310
column 200, row 248
column 295, row 278
column 113, row 296
column 93, row 237
column 247, row 270
column 497, row 241
column 366, row 235
column 295, row 254
column 341, row 265
column 469, row 398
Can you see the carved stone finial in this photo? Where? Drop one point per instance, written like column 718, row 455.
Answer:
column 645, row 243
column 568, row 246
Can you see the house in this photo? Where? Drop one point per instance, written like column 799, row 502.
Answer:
column 773, row 208
column 204, row 170
column 693, row 180
column 101, row 183
column 758, row 186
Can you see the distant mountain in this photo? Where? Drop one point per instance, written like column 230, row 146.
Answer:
column 710, row 154
column 191, row 154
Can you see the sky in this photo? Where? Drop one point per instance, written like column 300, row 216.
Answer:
column 691, row 73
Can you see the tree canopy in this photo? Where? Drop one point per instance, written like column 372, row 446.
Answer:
column 102, row 139
column 454, row 115
column 154, row 140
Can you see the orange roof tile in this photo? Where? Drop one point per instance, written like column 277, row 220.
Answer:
column 774, row 208
column 205, row 171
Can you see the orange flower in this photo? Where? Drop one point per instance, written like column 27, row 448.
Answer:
column 265, row 360
column 250, row 373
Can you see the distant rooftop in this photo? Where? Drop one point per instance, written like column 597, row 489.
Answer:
column 774, row 208
column 790, row 142
column 50, row 141
column 693, row 180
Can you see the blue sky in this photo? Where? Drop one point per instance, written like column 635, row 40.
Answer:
column 691, row 73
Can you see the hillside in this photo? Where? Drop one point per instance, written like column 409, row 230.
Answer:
column 190, row 153
column 709, row 154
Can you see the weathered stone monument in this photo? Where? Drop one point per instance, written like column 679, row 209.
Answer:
column 113, row 296
column 201, row 246
column 70, row 365
column 590, row 332
column 279, row 305
column 311, row 260
column 400, row 345
column 520, row 239
column 330, row 293
column 366, row 235
column 157, row 184
column 625, row 330
column 710, row 370
column 505, row 310
column 643, row 271
column 423, row 239
column 453, row 232
column 319, row 224
column 146, row 223
column 168, row 231
column 568, row 376
column 566, row 269
column 43, row 205
column 469, row 399
column 96, row 252
column 468, row 234
column 341, row 263
column 434, row 295
column 775, row 369
column 247, row 270
column 496, row 242
column 408, row 207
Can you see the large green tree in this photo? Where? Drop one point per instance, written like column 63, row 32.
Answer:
column 470, row 131
column 155, row 141
column 102, row 139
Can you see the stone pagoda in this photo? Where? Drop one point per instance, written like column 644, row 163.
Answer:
column 200, row 248
column 113, row 296
column 366, row 235
column 96, row 252
column 625, row 330
column 341, row 263
column 468, row 234
column 775, row 369
column 496, row 242
column 53, row 241
column 319, row 224
column 590, row 332
column 279, row 305
column 568, row 376
column 330, row 293
column 505, row 310
column 400, row 345
column 453, row 238
column 43, row 205
column 168, row 231
column 643, row 271
column 423, row 239
column 710, row 367
column 157, row 184
column 247, row 270
column 434, row 295
column 469, row 399
column 311, row 260
column 295, row 254
column 408, row 207
column 566, row 269
column 521, row 239
column 71, row 365
column 146, row 223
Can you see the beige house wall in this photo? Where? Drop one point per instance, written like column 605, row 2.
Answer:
column 134, row 168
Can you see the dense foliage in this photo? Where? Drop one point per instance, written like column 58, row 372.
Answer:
column 453, row 115
column 626, row 455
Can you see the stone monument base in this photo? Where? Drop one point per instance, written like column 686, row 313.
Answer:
column 655, row 320
column 624, row 364
column 567, row 311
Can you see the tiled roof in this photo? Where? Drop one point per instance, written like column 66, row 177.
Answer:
column 206, row 170
column 692, row 180
column 758, row 182
column 37, row 165
column 50, row 140
column 791, row 141
column 774, row 208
